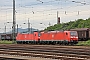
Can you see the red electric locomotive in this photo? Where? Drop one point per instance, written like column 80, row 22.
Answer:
column 25, row 38
column 59, row 37
column 50, row 37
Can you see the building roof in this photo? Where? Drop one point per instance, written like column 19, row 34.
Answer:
column 78, row 29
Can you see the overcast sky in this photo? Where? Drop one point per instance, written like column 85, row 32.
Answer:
column 42, row 11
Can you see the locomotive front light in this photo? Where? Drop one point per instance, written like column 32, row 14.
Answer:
column 76, row 37
column 72, row 37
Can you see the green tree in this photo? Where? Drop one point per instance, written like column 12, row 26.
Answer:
column 80, row 23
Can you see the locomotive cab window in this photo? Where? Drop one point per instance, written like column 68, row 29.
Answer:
column 35, row 34
column 73, row 33
column 66, row 33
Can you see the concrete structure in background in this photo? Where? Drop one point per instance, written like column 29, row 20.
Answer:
column 58, row 22
column 58, row 19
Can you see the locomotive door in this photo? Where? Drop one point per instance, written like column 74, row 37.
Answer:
column 66, row 36
column 36, row 36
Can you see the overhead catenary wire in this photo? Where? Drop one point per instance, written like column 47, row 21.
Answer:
column 43, row 12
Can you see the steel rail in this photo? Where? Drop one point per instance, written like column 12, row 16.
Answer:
column 43, row 55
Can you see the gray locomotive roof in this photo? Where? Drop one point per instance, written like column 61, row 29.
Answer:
column 78, row 29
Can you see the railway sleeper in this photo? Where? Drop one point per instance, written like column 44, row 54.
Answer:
column 45, row 53
column 45, row 56
column 56, row 51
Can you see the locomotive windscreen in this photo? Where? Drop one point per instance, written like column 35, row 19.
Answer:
column 73, row 33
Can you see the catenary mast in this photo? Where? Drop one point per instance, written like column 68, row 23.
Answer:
column 14, row 22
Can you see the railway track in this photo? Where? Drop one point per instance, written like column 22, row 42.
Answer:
column 47, row 51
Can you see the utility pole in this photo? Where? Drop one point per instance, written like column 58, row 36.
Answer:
column 28, row 26
column 17, row 28
column 14, row 22
column 5, row 29
column 49, row 24
column 5, row 32
column 57, row 17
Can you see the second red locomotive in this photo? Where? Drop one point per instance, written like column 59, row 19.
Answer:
column 50, row 37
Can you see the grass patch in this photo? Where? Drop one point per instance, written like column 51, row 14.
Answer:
column 84, row 43
column 5, row 42
column 80, row 43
